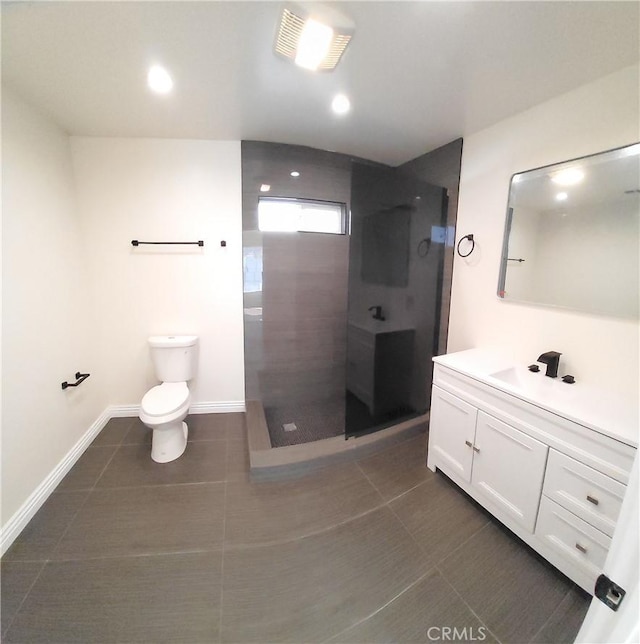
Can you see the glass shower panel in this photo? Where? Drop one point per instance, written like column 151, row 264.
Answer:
column 396, row 252
column 295, row 289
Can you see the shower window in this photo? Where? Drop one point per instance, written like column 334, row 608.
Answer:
column 277, row 214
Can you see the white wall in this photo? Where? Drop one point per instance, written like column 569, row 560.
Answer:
column 164, row 190
column 596, row 349
column 47, row 323
column 598, row 247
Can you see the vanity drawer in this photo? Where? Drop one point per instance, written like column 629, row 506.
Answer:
column 593, row 496
column 577, row 542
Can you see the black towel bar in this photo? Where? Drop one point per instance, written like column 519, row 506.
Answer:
column 135, row 242
column 80, row 378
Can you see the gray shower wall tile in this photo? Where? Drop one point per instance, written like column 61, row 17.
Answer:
column 333, row 324
column 292, row 383
column 318, row 351
column 302, row 302
column 309, row 252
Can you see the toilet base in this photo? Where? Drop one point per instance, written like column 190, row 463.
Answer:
column 169, row 443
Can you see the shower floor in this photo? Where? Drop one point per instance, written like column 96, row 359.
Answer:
column 313, row 421
column 297, row 423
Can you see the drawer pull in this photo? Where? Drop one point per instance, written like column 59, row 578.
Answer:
column 592, row 499
column 581, row 548
column 468, row 444
column 476, row 449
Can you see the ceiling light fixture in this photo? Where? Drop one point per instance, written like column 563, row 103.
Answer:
column 340, row 104
column 313, row 35
column 562, row 196
column 159, row 80
column 265, row 187
column 295, row 173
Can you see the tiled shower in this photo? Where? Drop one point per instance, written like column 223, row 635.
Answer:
column 340, row 327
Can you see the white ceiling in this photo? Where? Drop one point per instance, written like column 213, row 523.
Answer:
column 419, row 74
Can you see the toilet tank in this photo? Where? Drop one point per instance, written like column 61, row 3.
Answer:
column 174, row 357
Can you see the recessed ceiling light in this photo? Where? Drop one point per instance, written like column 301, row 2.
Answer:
column 265, row 187
column 341, row 104
column 295, row 173
column 562, row 196
column 159, row 80
column 568, row 177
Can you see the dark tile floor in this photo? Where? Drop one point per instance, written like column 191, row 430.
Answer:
column 379, row 550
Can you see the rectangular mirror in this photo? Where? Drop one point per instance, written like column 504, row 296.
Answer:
column 572, row 235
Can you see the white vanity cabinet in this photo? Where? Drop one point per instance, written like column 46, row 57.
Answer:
column 556, row 483
column 489, row 455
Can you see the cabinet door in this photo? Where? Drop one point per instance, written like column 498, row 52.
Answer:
column 451, row 430
column 508, row 469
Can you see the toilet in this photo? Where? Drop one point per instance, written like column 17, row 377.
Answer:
column 165, row 406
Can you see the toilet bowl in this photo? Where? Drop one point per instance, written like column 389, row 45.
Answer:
column 163, row 409
column 165, row 406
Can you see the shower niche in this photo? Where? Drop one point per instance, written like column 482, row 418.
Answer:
column 341, row 323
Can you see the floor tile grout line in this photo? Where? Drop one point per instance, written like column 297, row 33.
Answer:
column 129, row 428
column 150, row 485
column 555, row 610
column 84, row 502
column 411, row 489
column 95, row 483
column 370, row 481
column 464, row 543
column 381, row 608
column 224, row 535
column 462, row 599
column 323, row 530
column 139, row 555
column 413, row 538
column 24, row 599
column 66, row 530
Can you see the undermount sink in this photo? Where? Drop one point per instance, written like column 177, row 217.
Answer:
column 512, row 376
column 520, row 379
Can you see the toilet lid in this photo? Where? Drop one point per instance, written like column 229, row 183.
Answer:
column 165, row 398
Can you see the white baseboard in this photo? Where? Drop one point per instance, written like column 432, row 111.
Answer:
column 19, row 520
column 221, row 407
column 16, row 524
column 217, row 407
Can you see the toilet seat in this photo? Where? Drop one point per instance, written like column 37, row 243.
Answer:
column 165, row 399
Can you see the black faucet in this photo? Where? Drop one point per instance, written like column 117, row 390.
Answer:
column 377, row 315
column 552, row 360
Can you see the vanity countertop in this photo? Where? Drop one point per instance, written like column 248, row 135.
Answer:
column 592, row 407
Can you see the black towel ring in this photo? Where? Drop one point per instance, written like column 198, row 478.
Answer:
column 473, row 245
